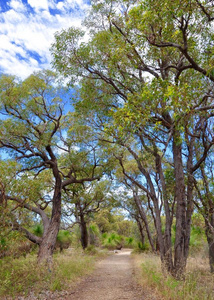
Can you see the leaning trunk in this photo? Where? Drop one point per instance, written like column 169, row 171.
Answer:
column 144, row 220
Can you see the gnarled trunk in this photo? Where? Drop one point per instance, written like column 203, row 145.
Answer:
column 140, row 227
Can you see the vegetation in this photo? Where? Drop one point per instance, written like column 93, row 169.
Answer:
column 147, row 82
column 127, row 161
column 33, row 133
column 22, row 276
column 198, row 283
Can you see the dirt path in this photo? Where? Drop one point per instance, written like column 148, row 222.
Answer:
column 112, row 280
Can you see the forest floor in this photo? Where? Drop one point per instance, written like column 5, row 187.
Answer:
column 114, row 278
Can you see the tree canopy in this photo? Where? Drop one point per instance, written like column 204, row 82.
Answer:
column 145, row 75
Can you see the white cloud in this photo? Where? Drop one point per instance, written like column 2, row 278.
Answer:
column 38, row 4
column 27, row 34
column 60, row 5
column 17, row 5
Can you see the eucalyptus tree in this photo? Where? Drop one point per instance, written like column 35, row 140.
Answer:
column 83, row 202
column 135, row 204
column 34, row 131
column 204, row 201
column 146, row 71
column 135, row 197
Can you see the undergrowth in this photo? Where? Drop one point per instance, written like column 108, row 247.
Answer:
column 22, row 275
column 198, row 283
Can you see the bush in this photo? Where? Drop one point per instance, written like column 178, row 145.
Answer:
column 63, row 240
column 129, row 241
column 94, row 234
column 140, row 247
column 112, row 240
column 15, row 245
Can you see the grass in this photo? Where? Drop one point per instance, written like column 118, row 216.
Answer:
column 22, row 275
column 198, row 283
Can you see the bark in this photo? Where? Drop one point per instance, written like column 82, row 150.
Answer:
column 84, row 233
column 180, row 252
column 46, row 247
column 140, row 227
column 190, row 187
column 207, row 210
column 144, row 219
column 51, row 230
column 80, row 217
column 167, row 261
column 210, row 240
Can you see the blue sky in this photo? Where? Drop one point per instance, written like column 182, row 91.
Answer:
column 27, row 30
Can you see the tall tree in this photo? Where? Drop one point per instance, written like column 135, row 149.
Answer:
column 147, row 67
column 35, row 132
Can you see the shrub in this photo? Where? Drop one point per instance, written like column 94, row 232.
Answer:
column 112, row 240
column 140, row 247
column 64, row 239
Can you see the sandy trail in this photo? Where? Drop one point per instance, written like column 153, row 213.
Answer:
column 113, row 279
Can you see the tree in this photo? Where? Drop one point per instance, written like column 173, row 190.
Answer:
column 162, row 112
column 204, row 202
column 35, row 132
column 84, row 202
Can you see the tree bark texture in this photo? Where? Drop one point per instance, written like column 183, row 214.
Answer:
column 210, row 240
column 180, row 251
column 46, row 247
column 84, row 233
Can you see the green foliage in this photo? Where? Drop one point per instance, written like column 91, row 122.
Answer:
column 94, row 234
column 112, row 240
column 38, row 230
column 14, row 245
column 197, row 239
column 129, row 240
column 64, row 239
column 141, row 247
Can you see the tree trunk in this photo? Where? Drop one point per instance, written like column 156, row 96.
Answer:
column 46, row 247
column 140, row 227
column 167, row 261
column 210, row 239
column 84, row 233
column 144, row 219
column 180, row 252
column 190, row 188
